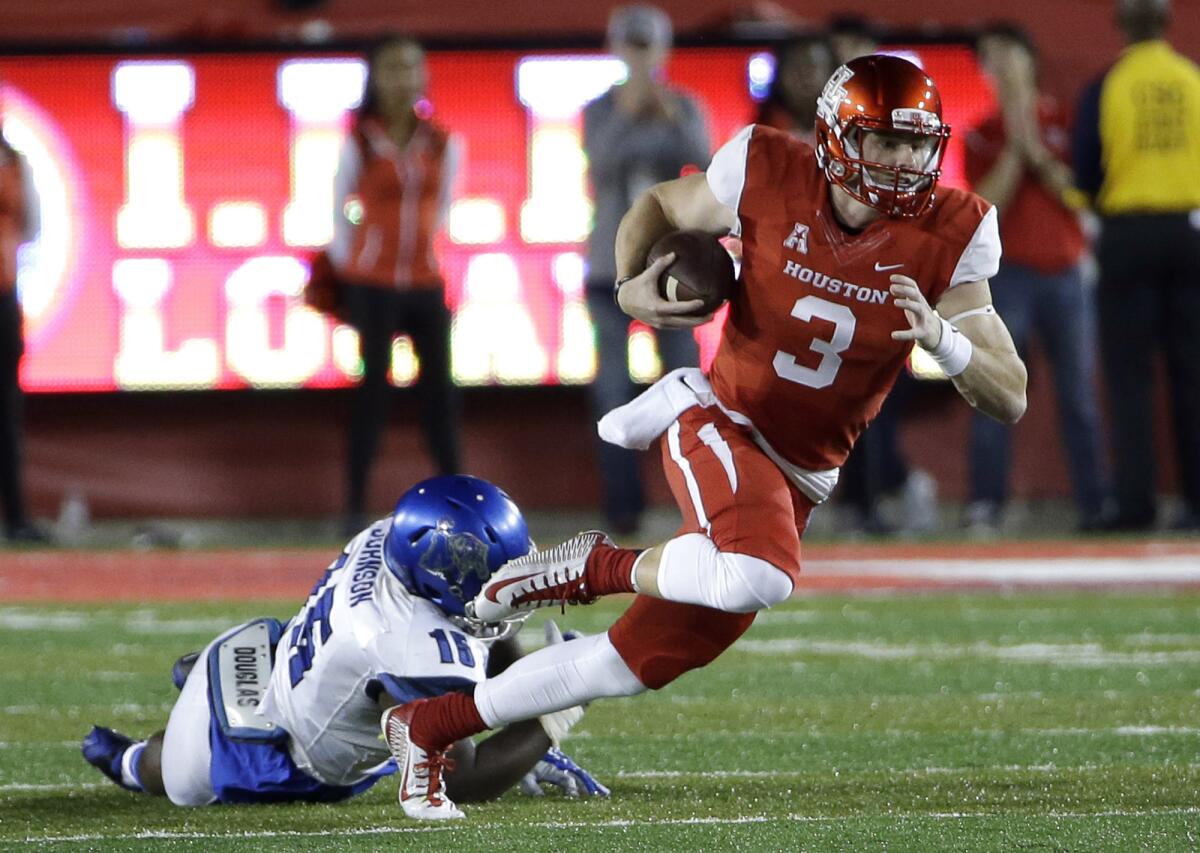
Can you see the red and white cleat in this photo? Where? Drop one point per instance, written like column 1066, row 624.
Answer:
column 539, row 579
column 422, row 772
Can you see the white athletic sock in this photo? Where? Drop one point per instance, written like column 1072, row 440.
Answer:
column 693, row 571
column 129, row 762
column 553, row 678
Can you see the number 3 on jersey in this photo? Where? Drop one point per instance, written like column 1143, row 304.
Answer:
column 825, row 372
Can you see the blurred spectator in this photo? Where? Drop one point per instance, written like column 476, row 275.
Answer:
column 852, row 36
column 1016, row 160
column 637, row 134
column 400, row 167
column 1137, row 154
column 19, row 219
column 802, row 65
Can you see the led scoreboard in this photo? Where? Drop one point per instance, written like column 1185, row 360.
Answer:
column 181, row 196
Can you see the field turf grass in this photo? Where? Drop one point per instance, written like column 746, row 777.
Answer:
column 964, row 721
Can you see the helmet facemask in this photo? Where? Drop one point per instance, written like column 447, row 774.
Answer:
column 895, row 189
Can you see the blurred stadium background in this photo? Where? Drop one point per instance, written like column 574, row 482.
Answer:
column 185, row 440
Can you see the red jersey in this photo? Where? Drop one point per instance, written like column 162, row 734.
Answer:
column 1040, row 231
column 806, row 352
column 405, row 194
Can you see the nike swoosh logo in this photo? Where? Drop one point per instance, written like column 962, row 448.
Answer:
column 490, row 592
column 881, row 268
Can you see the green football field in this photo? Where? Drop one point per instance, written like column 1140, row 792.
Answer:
column 965, row 721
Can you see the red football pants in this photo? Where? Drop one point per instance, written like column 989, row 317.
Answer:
column 728, row 489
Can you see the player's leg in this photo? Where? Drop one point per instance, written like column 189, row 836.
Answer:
column 134, row 765
column 128, row 763
column 739, row 548
column 185, row 755
column 741, row 551
column 741, row 523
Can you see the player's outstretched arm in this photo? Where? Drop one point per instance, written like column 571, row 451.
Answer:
column 971, row 343
column 683, row 203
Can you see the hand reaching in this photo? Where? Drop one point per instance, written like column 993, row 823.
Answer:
column 924, row 325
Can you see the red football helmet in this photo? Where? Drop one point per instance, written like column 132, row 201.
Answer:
column 896, row 99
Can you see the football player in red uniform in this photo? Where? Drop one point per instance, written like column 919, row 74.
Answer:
column 852, row 254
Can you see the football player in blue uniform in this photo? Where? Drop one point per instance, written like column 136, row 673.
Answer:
column 275, row 712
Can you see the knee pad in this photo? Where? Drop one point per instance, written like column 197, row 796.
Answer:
column 692, row 570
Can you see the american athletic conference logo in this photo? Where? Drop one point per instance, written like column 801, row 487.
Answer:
column 797, row 241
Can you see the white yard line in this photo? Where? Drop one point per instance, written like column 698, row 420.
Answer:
column 600, row 824
column 698, row 774
column 58, row 711
column 1042, row 570
column 909, row 771
column 1061, row 654
column 138, row 622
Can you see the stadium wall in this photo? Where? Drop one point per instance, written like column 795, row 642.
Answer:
column 280, row 454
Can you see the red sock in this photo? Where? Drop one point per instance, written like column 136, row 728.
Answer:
column 440, row 721
column 609, row 570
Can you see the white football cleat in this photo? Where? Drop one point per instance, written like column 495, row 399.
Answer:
column 422, row 782
column 539, row 579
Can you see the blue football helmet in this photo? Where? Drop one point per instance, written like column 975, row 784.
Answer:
column 449, row 535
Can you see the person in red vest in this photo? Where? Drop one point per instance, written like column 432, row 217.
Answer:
column 1017, row 159
column 18, row 224
column 400, row 167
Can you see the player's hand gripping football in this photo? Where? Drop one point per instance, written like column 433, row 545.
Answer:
column 639, row 298
column 924, row 325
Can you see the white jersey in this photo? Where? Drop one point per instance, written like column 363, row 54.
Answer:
column 359, row 633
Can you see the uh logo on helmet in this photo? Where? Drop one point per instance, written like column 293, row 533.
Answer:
column 887, row 95
column 449, row 535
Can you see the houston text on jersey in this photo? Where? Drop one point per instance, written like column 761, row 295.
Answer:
column 835, row 286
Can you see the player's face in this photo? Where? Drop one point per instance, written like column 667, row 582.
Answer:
column 399, row 74
column 899, row 150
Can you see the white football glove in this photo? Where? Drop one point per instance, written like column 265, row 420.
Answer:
column 558, row 724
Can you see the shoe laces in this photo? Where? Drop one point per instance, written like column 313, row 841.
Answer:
column 432, row 771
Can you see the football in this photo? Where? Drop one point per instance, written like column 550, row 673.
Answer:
column 702, row 269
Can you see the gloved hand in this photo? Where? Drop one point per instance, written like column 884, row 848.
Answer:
column 559, row 723
column 559, row 770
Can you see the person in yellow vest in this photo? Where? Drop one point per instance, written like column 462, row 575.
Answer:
column 400, row 167
column 1137, row 156
column 18, row 224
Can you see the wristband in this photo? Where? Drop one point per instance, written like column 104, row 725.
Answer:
column 617, row 288
column 954, row 350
